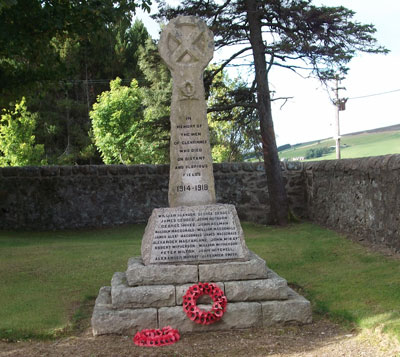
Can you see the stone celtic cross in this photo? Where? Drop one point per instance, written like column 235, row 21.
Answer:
column 187, row 46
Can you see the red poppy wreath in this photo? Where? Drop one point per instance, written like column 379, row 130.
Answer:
column 156, row 337
column 204, row 317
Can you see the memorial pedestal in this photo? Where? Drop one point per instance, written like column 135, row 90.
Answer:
column 150, row 296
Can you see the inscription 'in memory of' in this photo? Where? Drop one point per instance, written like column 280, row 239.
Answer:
column 197, row 235
column 186, row 45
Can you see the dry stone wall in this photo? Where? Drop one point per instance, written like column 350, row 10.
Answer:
column 357, row 196
column 63, row 197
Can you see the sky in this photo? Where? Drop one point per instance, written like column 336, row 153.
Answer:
column 310, row 114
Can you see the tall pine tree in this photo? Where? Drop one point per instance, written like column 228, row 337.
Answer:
column 287, row 33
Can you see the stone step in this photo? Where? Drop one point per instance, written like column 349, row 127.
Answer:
column 254, row 268
column 107, row 320
column 182, row 289
column 140, row 274
column 256, row 290
column 295, row 309
column 238, row 315
column 125, row 296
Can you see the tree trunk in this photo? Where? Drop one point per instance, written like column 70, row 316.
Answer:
column 276, row 187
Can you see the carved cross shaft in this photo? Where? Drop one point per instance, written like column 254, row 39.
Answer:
column 187, row 45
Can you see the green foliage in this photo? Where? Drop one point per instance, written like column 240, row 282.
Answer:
column 284, row 147
column 17, row 139
column 131, row 42
column 296, row 32
column 28, row 26
column 233, row 129
column 157, row 93
column 60, row 55
column 284, row 33
column 120, row 131
column 318, row 152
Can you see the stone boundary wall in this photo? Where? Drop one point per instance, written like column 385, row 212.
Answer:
column 357, row 196
column 65, row 197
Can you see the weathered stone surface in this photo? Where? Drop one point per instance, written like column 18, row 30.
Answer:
column 104, row 298
column 181, row 290
column 124, row 296
column 237, row 316
column 101, row 198
column 106, row 320
column 194, row 234
column 296, row 309
column 140, row 274
column 359, row 196
column 187, row 45
column 362, row 201
column 254, row 268
column 256, row 290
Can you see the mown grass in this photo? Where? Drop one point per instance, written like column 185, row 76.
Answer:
column 360, row 145
column 47, row 277
column 48, row 280
column 342, row 279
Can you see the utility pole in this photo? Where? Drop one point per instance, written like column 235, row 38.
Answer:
column 340, row 104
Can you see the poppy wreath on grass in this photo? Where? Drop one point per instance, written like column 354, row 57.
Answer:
column 156, row 337
column 204, row 317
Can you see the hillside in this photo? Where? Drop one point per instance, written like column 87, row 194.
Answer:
column 381, row 141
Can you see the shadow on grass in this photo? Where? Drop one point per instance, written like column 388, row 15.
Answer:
column 345, row 281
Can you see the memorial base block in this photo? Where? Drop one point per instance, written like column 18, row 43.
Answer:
column 256, row 296
column 194, row 234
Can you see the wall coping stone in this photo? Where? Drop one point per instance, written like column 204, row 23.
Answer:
column 367, row 164
column 30, row 171
column 49, row 171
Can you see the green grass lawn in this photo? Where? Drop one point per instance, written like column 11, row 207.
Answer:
column 360, row 145
column 46, row 277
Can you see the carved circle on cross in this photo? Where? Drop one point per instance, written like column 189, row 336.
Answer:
column 188, row 89
column 186, row 42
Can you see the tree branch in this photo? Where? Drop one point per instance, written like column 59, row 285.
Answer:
column 224, row 64
column 282, row 98
column 222, row 108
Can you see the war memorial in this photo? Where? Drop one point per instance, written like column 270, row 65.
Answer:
column 195, row 240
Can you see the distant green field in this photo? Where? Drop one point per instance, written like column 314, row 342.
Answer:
column 359, row 145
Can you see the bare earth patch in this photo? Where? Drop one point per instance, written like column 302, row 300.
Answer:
column 321, row 338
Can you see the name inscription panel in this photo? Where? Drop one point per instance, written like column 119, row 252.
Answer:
column 194, row 234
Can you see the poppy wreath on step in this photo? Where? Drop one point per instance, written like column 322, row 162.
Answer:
column 156, row 337
column 200, row 316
